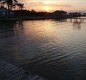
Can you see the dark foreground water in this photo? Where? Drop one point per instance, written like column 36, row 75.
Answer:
column 53, row 49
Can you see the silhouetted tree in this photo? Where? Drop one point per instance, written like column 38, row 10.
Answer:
column 10, row 3
column 20, row 6
column 2, row 3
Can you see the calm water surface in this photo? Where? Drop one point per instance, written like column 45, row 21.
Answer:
column 53, row 49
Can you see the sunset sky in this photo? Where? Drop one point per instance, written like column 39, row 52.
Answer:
column 52, row 5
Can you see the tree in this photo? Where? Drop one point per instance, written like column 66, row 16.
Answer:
column 2, row 3
column 10, row 3
column 20, row 6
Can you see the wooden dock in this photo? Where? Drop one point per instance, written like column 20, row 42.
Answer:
column 11, row 72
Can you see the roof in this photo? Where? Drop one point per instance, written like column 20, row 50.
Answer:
column 60, row 11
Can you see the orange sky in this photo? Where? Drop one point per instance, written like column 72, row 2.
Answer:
column 52, row 5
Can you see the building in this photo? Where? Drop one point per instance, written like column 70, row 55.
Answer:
column 4, row 12
column 59, row 14
column 74, row 15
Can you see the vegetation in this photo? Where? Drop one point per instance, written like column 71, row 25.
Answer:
column 11, row 4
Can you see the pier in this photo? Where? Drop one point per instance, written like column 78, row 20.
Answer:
column 11, row 72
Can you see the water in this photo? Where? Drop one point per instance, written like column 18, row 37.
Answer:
column 55, row 50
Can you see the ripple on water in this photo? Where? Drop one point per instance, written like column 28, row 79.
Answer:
column 53, row 49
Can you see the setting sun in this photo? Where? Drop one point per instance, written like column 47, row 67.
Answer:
column 46, row 8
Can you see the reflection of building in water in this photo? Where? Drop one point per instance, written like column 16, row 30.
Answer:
column 7, row 29
column 77, row 19
column 19, row 25
column 61, row 20
column 77, row 24
column 10, row 29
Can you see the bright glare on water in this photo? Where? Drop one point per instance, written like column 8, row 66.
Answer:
column 56, row 50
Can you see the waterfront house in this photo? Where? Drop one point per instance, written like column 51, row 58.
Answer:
column 4, row 12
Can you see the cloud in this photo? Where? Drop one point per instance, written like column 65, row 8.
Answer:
column 71, row 5
column 60, row 5
column 40, row 3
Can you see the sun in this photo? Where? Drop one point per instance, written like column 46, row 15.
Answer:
column 46, row 8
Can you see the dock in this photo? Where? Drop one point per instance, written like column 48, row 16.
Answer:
column 11, row 72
